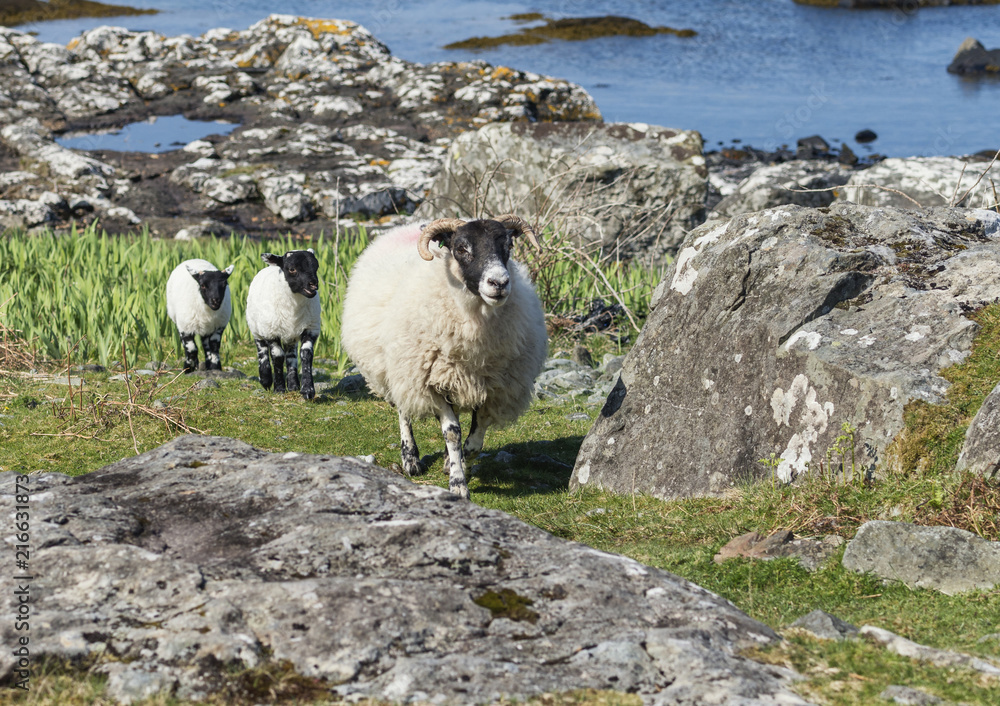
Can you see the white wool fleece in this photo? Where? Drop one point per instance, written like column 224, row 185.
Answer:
column 187, row 309
column 274, row 312
column 414, row 331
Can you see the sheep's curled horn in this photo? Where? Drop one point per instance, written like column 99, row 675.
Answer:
column 449, row 225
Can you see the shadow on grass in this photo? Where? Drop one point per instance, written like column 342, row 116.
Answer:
column 529, row 468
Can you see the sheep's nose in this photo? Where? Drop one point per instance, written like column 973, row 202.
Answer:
column 498, row 282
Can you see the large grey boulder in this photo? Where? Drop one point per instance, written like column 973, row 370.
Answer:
column 632, row 189
column 923, row 182
column 981, row 450
column 800, row 182
column 944, row 559
column 177, row 568
column 772, row 330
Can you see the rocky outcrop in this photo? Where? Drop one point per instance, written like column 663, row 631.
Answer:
column 981, row 450
column 944, row 559
column 331, row 124
column 923, row 182
column 973, row 59
column 772, row 331
column 632, row 189
column 800, row 182
column 176, row 569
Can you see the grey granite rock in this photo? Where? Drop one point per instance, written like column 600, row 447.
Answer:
column 629, row 189
column 908, row 696
column 944, row 559
column 773, row 330
column 825, row 626
column 797, row 182
column 921, row 182
column 206, row 556
column 939, row 658
column 981, row 450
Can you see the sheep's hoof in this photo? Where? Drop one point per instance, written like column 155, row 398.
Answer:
column 308, row 393
column 460, row 489
column 416, row 468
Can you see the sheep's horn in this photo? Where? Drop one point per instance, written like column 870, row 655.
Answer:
column 434, row 229
column 521, row 226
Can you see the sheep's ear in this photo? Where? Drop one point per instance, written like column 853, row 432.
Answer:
column 310, row 250
column 193, row 272
column 229, row 270
column 270, row 259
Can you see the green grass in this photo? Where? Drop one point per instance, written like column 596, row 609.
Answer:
column 44, row 428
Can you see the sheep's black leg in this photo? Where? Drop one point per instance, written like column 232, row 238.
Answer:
column 264, row 362
column 477, row 434
column 308, row 343
column 211, row 344
column 190, row 352
column 278, row 363
column 452, row 431
column 408, row 448
column 292, row 366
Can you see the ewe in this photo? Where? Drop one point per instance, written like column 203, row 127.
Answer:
column 283, row 309
column 438, row 331
column 198, row 303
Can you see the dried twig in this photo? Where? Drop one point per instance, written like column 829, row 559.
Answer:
column 981, row 177
column 859, row 186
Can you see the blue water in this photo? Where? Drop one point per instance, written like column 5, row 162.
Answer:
column 158, row 134
column 765, row 71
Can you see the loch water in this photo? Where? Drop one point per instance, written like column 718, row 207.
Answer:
column 763, row 72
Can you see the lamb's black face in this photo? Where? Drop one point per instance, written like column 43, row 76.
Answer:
column 482, row 249
column 300, row 268
column 212, row 286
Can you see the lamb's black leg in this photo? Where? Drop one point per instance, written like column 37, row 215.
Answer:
column 278, row 363
column 308, row 344
column 190, row 352
column 452, row 431
column 292, row 366
column 211, row 344
column 264, row 362
column 408, row 448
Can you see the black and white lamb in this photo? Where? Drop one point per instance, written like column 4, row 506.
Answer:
column 198, row 303
column 436, row 331
column 283, row 309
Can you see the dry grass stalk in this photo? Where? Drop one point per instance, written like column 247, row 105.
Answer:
column 16, row 354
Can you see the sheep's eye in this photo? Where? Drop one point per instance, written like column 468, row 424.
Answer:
column 204, row 286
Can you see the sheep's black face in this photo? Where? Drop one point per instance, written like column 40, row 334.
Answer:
column 300, row 268
column 482, row 249
column 212, row 286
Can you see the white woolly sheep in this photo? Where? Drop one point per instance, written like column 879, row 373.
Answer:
column 459, row 328
column 282, row 310
column 199, row 305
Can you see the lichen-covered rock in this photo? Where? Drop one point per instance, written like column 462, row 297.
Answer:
column 981, row 450
column 632, row 189
column 800, row 182
column 317, row 97
column 944, row 559
column 921, row 182
column 178, row 568
column 773, row 330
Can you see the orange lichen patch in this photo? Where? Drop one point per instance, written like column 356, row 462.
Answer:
column 379, row 163
column 321, row 27
column 501, row 73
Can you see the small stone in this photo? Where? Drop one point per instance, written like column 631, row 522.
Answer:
column 825, row 626
column 908, row 696
column 582, row 356
column 206, row 384
column 865, row 136
column 578, row 417
column 159, row 404
column 504, row 457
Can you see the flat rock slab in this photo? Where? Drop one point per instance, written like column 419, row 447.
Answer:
column 981, row 450
column 944, row 559
column 181, row 566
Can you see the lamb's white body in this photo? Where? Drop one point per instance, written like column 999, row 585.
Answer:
column 418, row 335
column 185, row 306
column 275, row 312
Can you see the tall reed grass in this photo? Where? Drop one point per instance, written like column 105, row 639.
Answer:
column 87, row 292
